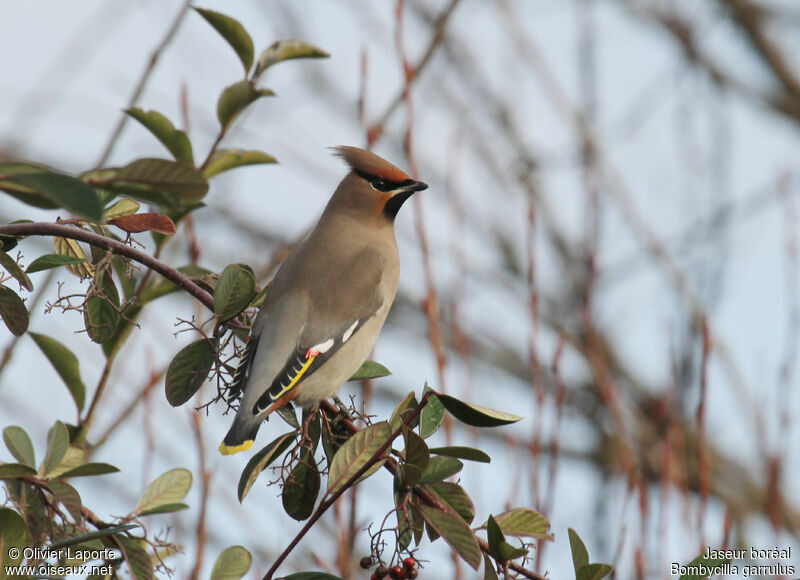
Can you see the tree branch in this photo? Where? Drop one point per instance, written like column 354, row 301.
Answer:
column 170, row 273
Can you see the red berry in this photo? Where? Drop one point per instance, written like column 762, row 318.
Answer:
column 409, row 563
column 373, row 576
column 397, row 573
column 411, row 573
column 366, row 563
column 381, row 572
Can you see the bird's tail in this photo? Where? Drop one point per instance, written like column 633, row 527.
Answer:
column 240, row 437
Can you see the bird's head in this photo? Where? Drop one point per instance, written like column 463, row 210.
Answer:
column 374, row 184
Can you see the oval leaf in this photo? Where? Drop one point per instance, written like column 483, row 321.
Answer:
column 13, row 534
column 101, row 315
column 68, row 497
column 235, row 98
column 57, row 446
column 225, row 159
column 440, row 468
column 90, row 469
column 13, row 312
column 169, row 488
column 82, row 268
column 234, row 33
column 356, row 452
column 286, row 50
column 52, row 261
column 580, row 555
column 19, row 444
column 370, row 370
column 123, row 207
column 13, row 268
column 232, row 564
column 12, row 470
column 65, row 363
column 301, row 489
column 162, row 128
column 188, row 371
column 260, row 461
column 454, row 496
column 25, row 194
column 475, row 415
column 705, row 566
column 599, row 571
column 523, row 522
column 455, row 532
column 74, row 457
column 145, row 222
column 431, row 416
column 468, row 453
column 68, row 192
column 160, row 181
column 235, row 289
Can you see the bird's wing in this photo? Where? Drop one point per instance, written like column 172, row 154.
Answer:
column 339, row 300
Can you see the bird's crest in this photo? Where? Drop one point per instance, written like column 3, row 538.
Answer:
column 369, row 163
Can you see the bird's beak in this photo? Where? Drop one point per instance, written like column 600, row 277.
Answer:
column 415, row 186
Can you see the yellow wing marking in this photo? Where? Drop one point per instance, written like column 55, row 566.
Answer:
column 294, row 380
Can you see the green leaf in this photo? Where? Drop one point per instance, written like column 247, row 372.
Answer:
column 162, row 128
column 705, row 566
column 235, row 98
column 24, row 193
column 370, row 370
column 13, row 268
column 123, row 207
column 455, row 497
column 407, row 405
column 65, row 363
column 48, row 261
column 475, row 415
column 188, row 371
column 432, row 415
column 90, row 469
column 19, row 444
column 310, row 576
column 13, row 534
column 69, row 497
column 598, row 571
column 67, row 192
column 455, row 532
column 161, row 181
column 235, row 289
column 356, row 452
column 288, row 414
column 13, row 311
column 225, row 159
column 169, row 488
column 261, row 460
column 440, row 468
column 416, row 451
column 525, row 522
column 13, row 470
column 101, row 315
column 232, row 564
column 468, row 453
column 233, row 32
column 167, row 508
column 134, row 551
column 75, row 456
column 488, row 569
column 580, row 555
column 57, row 445
column 286, row 50
column 92, row 536
column 498, row 547
column 301, row 489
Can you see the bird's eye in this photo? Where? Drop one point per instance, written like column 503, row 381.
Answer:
column 380, row 183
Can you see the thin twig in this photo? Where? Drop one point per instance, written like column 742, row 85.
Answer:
column 140, row 86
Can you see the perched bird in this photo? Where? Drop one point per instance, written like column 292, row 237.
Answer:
column 329, row 299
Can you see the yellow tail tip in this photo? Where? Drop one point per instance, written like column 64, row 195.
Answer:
column 231, row 449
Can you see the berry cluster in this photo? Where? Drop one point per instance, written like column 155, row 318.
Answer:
column 408, row 570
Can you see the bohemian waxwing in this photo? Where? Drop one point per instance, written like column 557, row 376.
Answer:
column 327, row 303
